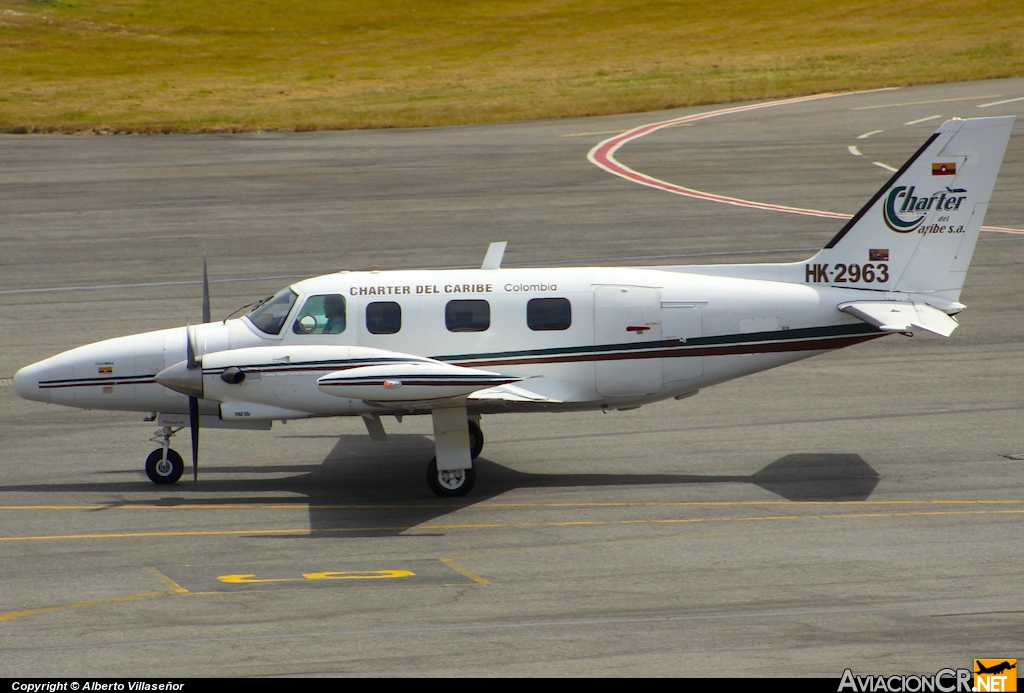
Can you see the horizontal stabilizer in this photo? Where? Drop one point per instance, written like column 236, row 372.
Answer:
column 901, row 316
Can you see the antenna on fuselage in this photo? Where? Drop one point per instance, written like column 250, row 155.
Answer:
column 495, row 251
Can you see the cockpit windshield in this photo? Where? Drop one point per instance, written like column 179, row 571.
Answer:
column 269, row 316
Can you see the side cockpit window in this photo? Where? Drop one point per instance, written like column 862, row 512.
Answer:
column 269, row 316
column 321, row 315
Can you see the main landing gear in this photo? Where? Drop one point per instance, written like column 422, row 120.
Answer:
column 458, row 441
column 164, row 466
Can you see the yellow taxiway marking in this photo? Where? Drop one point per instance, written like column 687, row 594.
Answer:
column 518, row 525
column 450, row 562
column 587, row 504
column 693, row 520
column 250, row 578
column 654, row 504
column 79, row 605
column 192, row 533
column 919, row 103
column 174, row 587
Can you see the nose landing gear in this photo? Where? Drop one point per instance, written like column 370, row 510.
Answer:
column 164, row 470
column 164, row 466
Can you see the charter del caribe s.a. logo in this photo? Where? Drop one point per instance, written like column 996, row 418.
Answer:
column 904, row 210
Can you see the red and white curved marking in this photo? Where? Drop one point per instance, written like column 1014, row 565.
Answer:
column 603, row 156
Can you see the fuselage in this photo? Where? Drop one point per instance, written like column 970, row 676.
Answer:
column 579, row 338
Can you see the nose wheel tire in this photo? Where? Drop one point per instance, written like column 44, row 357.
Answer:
column 164, row 471
column 450, row 483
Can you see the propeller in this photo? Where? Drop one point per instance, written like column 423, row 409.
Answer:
column 206, row 293
column 192, row 363
column 186, row 376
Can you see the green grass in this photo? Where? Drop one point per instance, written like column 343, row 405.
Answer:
column 212, row 65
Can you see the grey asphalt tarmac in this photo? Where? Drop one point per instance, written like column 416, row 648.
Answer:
column 858, row 510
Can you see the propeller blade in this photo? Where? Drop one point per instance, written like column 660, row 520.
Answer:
column 206, row 293
column 193, row 425
column 191, row 361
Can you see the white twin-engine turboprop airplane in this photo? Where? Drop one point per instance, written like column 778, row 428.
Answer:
column 458, row 344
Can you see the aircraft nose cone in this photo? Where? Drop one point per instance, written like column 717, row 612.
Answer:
column 181, row 378
column 26, row 384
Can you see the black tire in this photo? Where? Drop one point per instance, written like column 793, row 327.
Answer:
column 451, row 484
column 160, row 472
column 476, row 440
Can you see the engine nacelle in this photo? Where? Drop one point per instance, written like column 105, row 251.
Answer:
column 410, row 382
column 277, row 382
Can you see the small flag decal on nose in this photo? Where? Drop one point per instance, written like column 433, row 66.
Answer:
column 105, row 369
column 944, row 169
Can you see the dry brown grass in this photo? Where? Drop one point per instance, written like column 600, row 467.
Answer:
column 160, row 66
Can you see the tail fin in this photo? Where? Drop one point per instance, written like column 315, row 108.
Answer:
column 917, row 234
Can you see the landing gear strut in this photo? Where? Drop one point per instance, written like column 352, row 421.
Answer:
column 164, row 466
column 457, row 442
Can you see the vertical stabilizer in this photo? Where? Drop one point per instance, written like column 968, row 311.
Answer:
column 917, row 234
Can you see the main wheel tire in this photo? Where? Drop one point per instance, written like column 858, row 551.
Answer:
column 476, row 440
column 451, row 483
column 161, row 471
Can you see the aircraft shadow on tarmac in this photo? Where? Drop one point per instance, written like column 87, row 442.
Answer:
column 795, row 477
column 370, row 489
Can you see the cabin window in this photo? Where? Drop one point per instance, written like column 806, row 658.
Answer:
column 321, row 315
column 467, row 316
column 548, row 314
column 383, row 317
column 269, row 316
